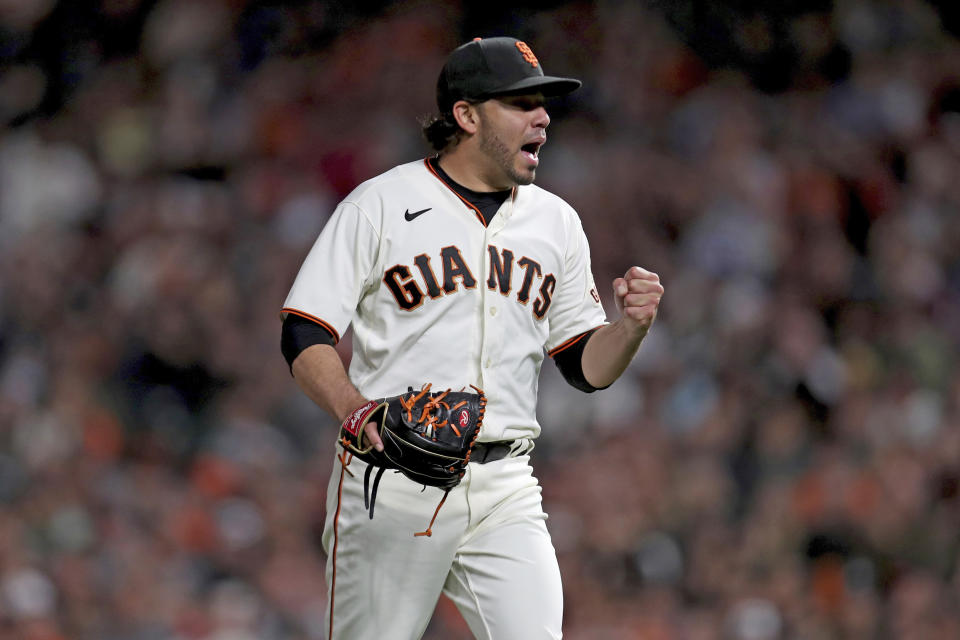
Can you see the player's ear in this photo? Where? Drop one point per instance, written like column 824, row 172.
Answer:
column 466, row 115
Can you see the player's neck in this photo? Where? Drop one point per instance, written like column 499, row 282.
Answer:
column 465, row 168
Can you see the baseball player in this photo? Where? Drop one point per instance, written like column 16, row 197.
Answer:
column 456, row 270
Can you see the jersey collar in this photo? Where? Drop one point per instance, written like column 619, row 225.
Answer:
column 506, row 209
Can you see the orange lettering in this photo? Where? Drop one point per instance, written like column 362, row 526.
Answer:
column 527, row 54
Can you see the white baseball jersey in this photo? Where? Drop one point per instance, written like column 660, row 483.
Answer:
column 437, row 296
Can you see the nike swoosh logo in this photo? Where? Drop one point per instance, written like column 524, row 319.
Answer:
column 410, row 216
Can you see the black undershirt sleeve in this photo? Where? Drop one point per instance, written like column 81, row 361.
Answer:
column 299, row 333
column 570, row 363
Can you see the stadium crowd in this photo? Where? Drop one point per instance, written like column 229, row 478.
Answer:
column 781, row 461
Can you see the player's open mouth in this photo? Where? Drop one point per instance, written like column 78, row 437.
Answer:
column 530, row 151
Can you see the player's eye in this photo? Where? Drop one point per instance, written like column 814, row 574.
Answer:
column 525, row 103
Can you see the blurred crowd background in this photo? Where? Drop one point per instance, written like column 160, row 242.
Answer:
column 781, row 461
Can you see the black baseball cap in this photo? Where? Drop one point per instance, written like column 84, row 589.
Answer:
column 489, row 67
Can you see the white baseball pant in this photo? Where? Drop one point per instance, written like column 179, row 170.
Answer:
column 489, row 552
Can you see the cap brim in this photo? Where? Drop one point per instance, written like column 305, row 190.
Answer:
column 549, row 86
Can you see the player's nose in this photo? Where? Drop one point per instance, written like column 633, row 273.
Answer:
column 541, row 119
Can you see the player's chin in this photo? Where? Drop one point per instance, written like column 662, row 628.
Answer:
column 524, row 174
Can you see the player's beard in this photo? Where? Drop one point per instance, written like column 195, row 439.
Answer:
column 497, row 150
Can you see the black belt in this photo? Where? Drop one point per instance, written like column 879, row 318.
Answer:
column 484, row 452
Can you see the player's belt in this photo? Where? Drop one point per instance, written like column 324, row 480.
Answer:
column 484, row 452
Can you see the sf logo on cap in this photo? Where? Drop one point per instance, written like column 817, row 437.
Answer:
column 527, row 53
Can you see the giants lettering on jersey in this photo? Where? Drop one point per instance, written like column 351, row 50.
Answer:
column 410, row 290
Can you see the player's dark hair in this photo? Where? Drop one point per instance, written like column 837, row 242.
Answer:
column 441, row 131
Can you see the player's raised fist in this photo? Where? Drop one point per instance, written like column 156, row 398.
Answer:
column 638, row 295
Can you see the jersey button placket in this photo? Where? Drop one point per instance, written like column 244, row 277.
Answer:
column 490, row 332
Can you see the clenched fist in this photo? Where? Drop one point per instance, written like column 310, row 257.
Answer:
column 638, row 295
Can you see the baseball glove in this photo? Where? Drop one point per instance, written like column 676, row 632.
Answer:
column 427, row 437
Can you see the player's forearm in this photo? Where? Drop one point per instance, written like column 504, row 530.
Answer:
column 320, row 373
column 609, row 352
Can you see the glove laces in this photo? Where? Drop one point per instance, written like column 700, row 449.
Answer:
column 429, row 530
column 370, row 498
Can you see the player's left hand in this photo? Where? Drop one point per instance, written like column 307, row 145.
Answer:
column 637, row 295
